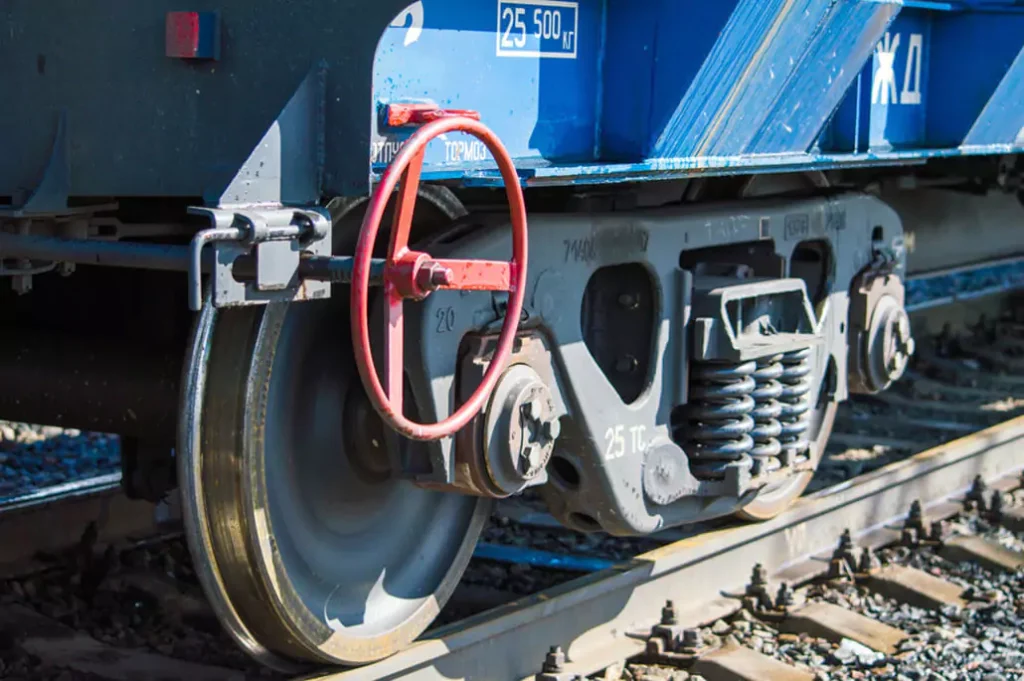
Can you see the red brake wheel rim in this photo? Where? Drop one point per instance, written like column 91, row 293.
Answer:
column 412, row 275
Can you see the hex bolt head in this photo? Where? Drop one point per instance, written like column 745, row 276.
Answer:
column 531, row 458
column 433, row 276
column 552, row 429
column 846, row 541
column 554, row 661
column 627, row 364
column 668, row 614
column 534, row 410
column 996, row 506
column 692, row 638
column 629, row 301
column 868, row 562
column 759, row 576
column 977, row 491
column 785, row 596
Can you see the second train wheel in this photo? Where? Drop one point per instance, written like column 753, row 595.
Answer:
column 306, row 553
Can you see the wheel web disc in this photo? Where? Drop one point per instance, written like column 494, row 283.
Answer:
column 307, row 559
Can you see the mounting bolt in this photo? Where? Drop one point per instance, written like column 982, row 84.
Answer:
column 668, row 614
column 868, row 561
column 976, row 495
column 844, row 551
column 996, row 507
column 629, row 301
column 552, row 429
column 845, row 541
column 533, row 455
column 627, row 364
column 433, row 276
column 534, row 410
column 785, row 597
column 554, row 661
column 691, row 642
column 915, row 521
column 758, row 588
column 758, row 577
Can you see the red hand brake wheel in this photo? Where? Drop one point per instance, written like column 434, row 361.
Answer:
column 410, row 274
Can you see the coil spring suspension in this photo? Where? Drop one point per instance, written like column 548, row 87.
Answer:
column 767, row 411
column 718, row 417
column 796, row 404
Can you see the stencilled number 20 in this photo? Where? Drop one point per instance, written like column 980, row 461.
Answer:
column 445, row 319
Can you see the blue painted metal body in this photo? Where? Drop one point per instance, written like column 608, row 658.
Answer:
column 656, row 89
column 580, row 91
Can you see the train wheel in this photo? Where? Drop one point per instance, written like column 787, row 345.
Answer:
column 303, row 554
column 777, row 498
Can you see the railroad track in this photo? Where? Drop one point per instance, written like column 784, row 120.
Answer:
column 534, row 585
column 596, row 623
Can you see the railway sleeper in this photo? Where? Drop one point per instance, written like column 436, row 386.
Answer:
column 801, row 613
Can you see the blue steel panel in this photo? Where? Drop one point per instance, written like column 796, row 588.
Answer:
column 972, row 54
column 644, row 89
column 774, row 57
column 828, row 68
column 669, row 41
column 661, row 89
column 467, row 54
column 899, row 77
column 630, row 50
column 1002, row 119
column 887, row 105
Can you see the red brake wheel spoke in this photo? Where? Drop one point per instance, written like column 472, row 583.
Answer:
column 479, row 275
column 410, row 274
column 394, row 348
column 404, row 207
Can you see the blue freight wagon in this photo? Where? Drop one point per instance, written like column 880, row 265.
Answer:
column 340, row 274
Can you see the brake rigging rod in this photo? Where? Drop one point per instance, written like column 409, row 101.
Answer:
column 167, row 257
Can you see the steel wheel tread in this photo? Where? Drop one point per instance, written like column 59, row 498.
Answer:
column 256, row 550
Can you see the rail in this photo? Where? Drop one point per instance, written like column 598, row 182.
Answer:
column 591, row 618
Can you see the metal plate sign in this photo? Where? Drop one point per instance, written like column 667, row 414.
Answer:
column 538, row 28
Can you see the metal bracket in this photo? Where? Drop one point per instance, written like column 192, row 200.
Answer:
column 743, row 320
column 258, row 254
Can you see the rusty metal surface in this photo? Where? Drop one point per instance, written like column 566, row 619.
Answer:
column 827, row 620
column 917, row 588
column 733, row 662
column 592, row 617
column 979, row 550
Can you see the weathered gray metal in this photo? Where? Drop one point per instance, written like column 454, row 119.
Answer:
column 143, row 124
column 612, row 439
column 591, row 618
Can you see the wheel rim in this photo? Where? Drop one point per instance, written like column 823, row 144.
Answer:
column 307, row 560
